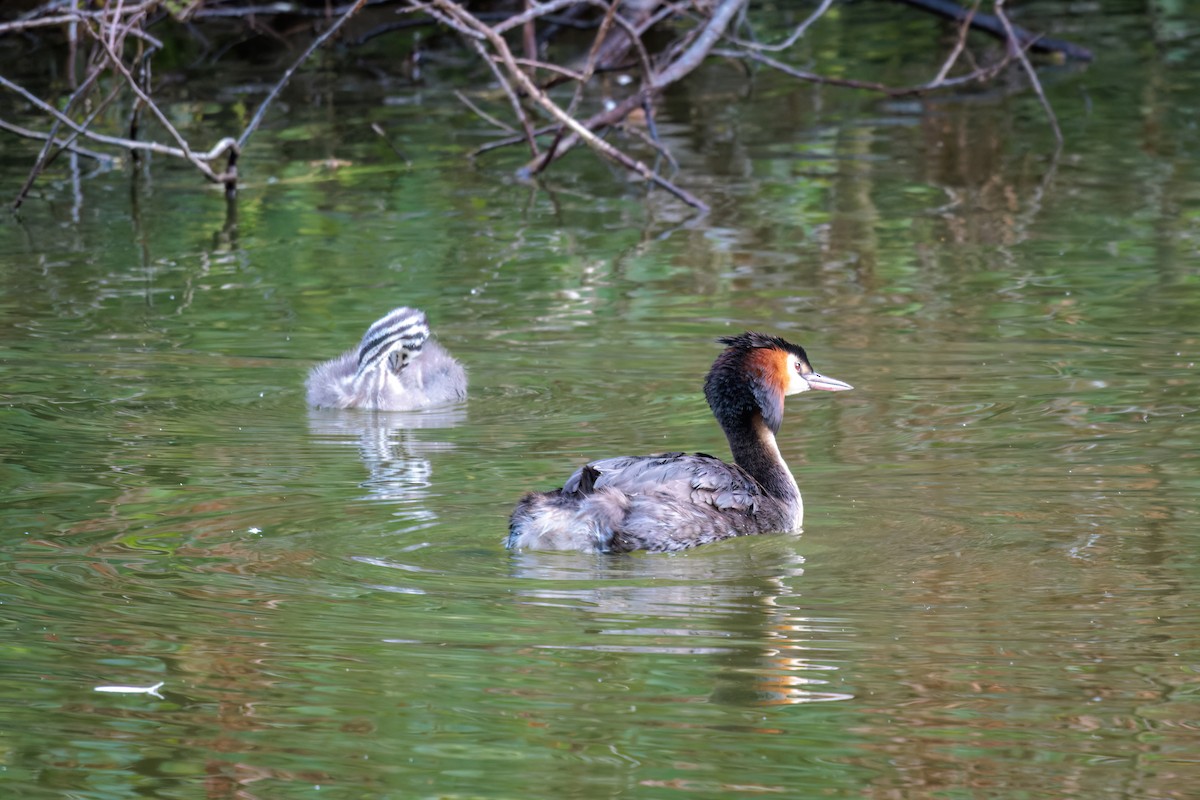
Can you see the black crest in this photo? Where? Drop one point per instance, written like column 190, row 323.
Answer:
column 751, row 340
column 733, row 390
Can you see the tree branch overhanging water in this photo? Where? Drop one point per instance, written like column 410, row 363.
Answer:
column 118, row 49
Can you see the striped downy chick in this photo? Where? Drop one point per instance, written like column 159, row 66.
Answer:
column 396, row 367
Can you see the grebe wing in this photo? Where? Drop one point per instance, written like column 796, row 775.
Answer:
column 693, row 478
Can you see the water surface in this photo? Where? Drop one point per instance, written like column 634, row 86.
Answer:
column 994, row 594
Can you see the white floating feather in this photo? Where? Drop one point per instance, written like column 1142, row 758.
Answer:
column 150, row 690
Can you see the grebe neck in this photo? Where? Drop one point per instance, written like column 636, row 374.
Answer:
column 754, row 449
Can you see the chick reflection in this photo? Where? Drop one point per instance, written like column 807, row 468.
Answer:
column 396, row 458
column 737, row 602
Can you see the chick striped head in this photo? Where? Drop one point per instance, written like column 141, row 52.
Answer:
column 394, row 341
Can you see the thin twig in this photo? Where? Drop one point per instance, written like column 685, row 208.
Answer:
column 666, row 11
column 646, row 96
column 218, row 150
column 45, row 157
column 635, row 37
column 652, row 140
column 536, row 64
column 500, row 46
column 692, row 55
column 82, row 16
column 508, row 141
column 501, row 124
column 982, row 74
column 115, row 25
column 790, row 40
column 35, row 18
column 963, row 30
column 449, row 21
column 289, row 8
column 320, row 40
column 588, row 69
column 652, row 130
column 511, row 93
column 529, row 40
column 120, row 67
column 382, row 134
column 538, row 10
column 143, row 63
column 62, row 144
column 1014, row 46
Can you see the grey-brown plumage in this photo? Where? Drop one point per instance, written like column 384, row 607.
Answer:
column 674, row 501
column 396, row 367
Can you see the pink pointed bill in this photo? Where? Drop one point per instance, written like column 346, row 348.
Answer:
column 820, row 382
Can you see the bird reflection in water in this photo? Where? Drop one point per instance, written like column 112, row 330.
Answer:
column 397, row 458
column 398, row 461
column 737, row 603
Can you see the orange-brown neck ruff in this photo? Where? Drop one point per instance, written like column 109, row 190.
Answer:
column 768, row 367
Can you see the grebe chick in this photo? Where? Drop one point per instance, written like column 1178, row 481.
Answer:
column 674, row 501
column 396, row 367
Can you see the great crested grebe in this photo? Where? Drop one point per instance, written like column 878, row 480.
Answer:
column 674, row 501
column 396, row 367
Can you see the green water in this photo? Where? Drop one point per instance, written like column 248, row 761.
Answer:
column 995, row 594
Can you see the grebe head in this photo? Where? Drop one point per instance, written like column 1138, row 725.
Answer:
column 755, row 373
column 396, row 339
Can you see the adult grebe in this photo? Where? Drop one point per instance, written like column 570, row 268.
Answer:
column 396, row 367
column 674, row 500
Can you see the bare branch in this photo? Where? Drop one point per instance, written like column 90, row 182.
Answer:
column 703, row 28
column 120, row 67
column 219, row 149
column 692, row 56
column 116, row 27
column 96, row 137
column 508, row 141
column 45, row 156
column 500, row 46
column 62, row 144
column 588, row 70
column 708, row 38
column 635, row 37
column 84, row 16
column 448, row 21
